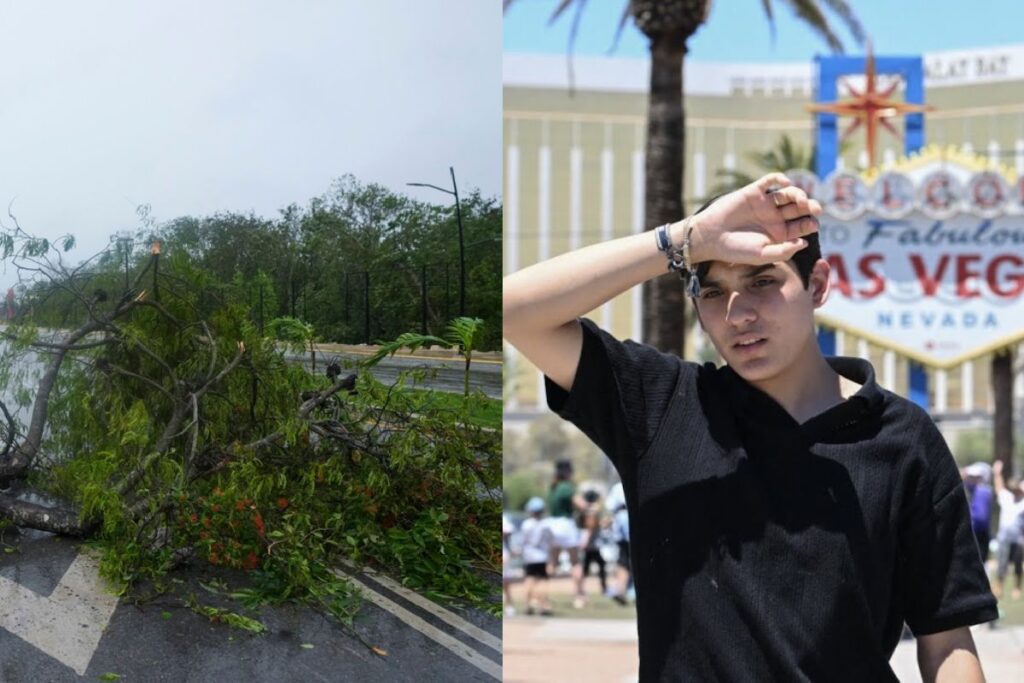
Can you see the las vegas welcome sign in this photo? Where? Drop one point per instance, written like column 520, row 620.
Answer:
column 926, row 255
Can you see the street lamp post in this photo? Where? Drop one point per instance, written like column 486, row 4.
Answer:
column 462, row 247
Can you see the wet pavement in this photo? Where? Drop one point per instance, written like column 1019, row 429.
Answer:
column 83, row 633
column 445, row 372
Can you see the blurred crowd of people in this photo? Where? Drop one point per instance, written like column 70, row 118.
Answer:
column 578, row 528
column 987, row 489
column 573, row 526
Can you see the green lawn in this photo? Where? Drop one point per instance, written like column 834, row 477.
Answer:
column 560, row 594
column 597, row 607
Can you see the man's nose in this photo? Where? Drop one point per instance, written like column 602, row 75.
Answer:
column 739, row 310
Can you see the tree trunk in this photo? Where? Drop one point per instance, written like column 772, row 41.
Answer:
column 664, row 312
column 1002, row 390
column 57, row 520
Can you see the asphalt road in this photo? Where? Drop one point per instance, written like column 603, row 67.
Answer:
column 446, row 374
column 58, row 622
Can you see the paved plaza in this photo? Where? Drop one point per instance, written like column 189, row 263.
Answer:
column 539, row 649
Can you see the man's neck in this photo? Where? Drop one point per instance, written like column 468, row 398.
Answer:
column 807, row 388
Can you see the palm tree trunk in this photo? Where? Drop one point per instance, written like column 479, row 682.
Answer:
column 1002, row 390
column 663, row 302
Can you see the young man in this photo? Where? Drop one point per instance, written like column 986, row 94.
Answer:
column 787, row 515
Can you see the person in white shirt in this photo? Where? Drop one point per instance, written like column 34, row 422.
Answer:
column 538, row 540
column 1010, row 496
column 616, row 504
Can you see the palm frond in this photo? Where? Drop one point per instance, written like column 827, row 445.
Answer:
column 842, row 9
column 770, row 15
column 729, row 180
column 465, row 333
column 562, row 6
column 811, row 13
column 621, row 27
column 410, row 340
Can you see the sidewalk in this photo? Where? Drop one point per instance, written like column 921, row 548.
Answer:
column 558, row 649
column 538, row 649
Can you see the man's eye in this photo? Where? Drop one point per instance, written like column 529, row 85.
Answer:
column 764, row 282
column 709, row 294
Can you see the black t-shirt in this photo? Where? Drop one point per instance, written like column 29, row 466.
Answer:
column 764, row 549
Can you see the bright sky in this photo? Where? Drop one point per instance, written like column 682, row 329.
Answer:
column 238, row 105
column 737, row 30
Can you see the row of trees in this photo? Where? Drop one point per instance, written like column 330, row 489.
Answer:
column 359, row 263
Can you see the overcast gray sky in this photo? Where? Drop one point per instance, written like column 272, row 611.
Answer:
column 197, row 107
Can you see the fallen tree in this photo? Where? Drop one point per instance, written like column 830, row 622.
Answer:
column 163, row 426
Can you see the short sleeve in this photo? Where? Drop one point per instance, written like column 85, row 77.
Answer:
column 944, row 579
column 620, row 392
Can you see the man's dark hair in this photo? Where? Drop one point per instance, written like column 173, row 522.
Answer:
column 804, row 259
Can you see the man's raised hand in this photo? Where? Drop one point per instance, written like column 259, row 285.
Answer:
column 763, row 222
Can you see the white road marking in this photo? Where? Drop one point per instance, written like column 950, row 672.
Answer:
column 67, row 624
column 452, row 644
column 444, row 615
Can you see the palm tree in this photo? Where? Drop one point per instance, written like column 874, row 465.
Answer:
column 1002, row 419
column 783, row 157
column 464, row 334
column 668, row 25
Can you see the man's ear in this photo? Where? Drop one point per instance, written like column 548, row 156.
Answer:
column 820, row 282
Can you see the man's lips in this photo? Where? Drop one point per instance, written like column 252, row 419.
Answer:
column 749, row 342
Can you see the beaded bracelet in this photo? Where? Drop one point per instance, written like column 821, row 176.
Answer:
column 679, row 258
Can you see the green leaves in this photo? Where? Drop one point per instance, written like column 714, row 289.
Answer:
column 388, row 473
column 218, row 615
column 290, row 330
column 466, row 333
column 463, row 333
column 409, row 340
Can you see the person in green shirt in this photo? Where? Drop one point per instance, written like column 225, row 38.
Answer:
column 563, row 503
